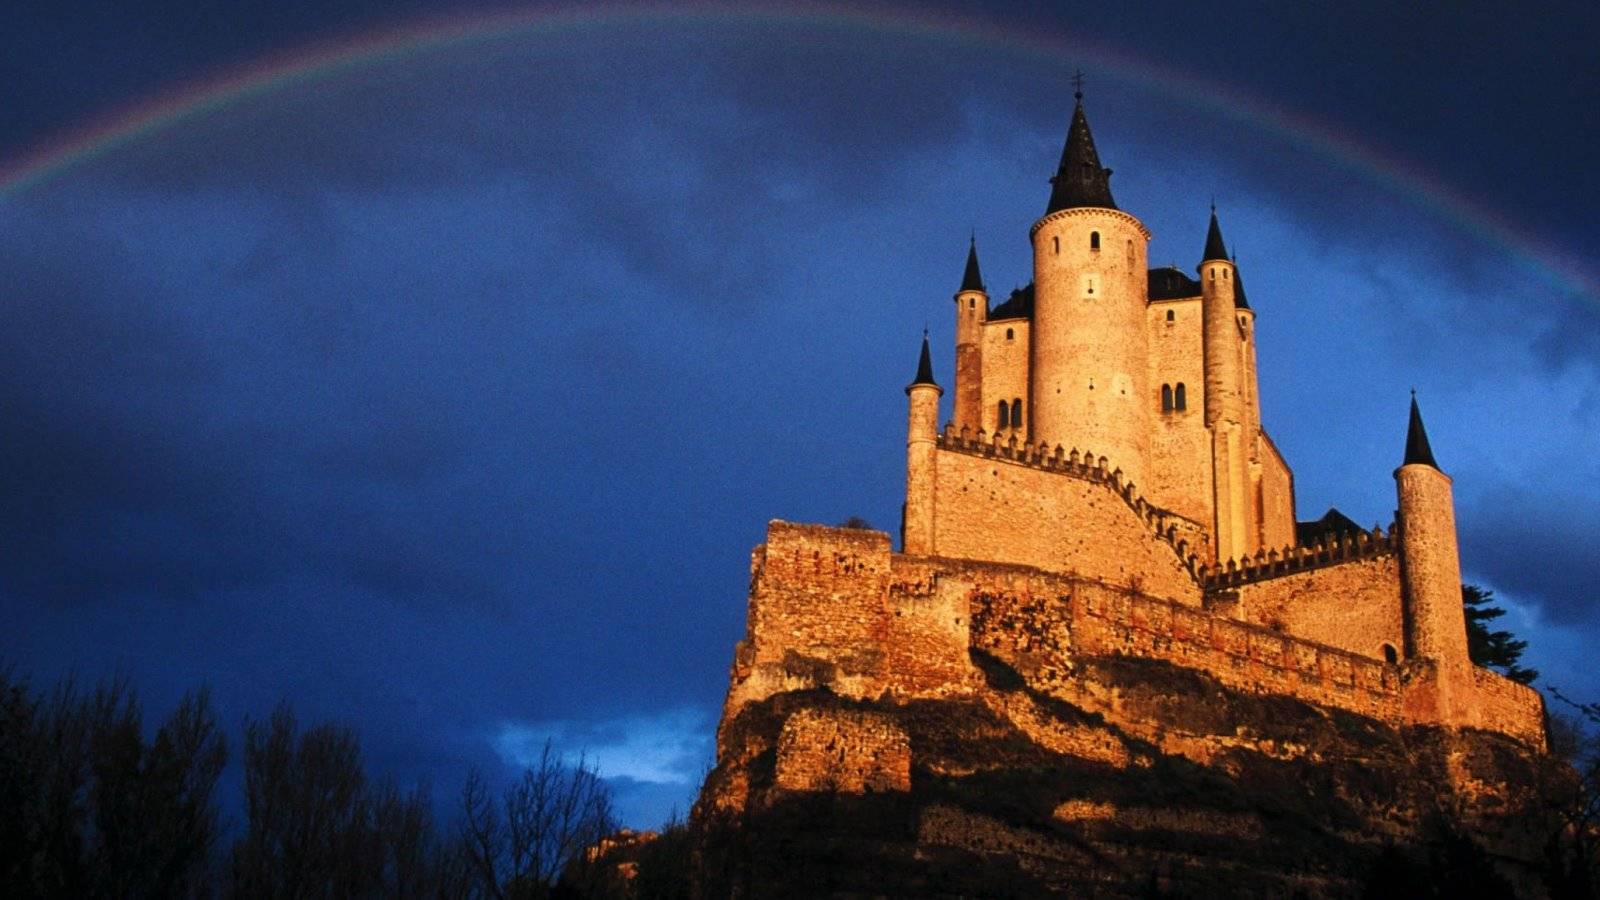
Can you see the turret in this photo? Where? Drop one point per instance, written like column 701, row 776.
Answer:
column 916, row 529
column 1233, row 440
column 1430, row 572
column 1089, row 340
column 972, row 309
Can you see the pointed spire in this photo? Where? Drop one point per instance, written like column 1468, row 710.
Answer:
column 972, row 279
column 1214, row 246
column 1238, row 286
column 1417, row 450
column 924, row 366
column 1079, row 180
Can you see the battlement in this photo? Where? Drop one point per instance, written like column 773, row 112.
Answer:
column 835, row 609
column 1332, row 550
column 1171, row 529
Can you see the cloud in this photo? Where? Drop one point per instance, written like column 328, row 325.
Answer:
column 667, row 748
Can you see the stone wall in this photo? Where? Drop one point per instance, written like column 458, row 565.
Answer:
column 1508, row 707
column 844, row 751
column 1277, row 496
column 1069, row 519
column 1354, row 606
column 834, row 609
column 1179, row 475
column 1005, row 372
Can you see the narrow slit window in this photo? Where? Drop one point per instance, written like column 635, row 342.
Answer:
column 1010, row 334
column 1005, row 414
column 1094, row 240
column 1166, row 398
column 1180, row 399
column 1170, row 316
column 1016, row 413
column 1057, row 242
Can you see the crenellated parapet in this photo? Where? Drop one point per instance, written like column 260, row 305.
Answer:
column 1172, row 530
column 1334, row 549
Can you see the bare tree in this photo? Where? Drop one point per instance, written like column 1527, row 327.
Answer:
column 537, row 834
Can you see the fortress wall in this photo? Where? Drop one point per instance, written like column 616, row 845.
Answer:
column 1242, row 656
column 994, row 509
column 926, row 627
column 1277, row 497
column 1179, row 474
column 1045, row 620
column 846, row 751
column 1508, row 707
column 1005, row 372
column 1354, row 606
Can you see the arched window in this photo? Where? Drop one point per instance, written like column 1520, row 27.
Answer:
column 1170, row 316
column 1390, row 654
column 1005, row 414
column 1016, row 413
column 1180, row 400
column 1166, row 398
column 972, row 303
column 1010, row 334
column 1094, row 240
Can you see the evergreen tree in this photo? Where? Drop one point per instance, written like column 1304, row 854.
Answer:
column 1495, row 649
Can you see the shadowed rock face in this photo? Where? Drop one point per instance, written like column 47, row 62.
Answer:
column 1121, row 777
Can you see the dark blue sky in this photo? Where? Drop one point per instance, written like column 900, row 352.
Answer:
column 446, row 394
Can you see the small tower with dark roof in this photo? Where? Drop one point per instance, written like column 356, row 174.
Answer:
column 972, row 310
column 1227, row 400
column 922, row 435
column 1430, row 574
column 1089, row 338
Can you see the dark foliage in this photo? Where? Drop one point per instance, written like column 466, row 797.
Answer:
column 1495, row 649
column 91, row 805
column 92, row 808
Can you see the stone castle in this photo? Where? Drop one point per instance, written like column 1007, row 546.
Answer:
column 1103, row 490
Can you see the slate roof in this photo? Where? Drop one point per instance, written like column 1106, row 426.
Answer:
column 1080, row 180
column 1017, row 306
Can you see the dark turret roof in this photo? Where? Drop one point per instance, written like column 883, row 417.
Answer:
column 1214, row 246
column 1417, row 450
column 1307, row 534
column 1079, row 180
column 1169, row 283
column 924, row 367
column 1238, row 287
column 1017, row 306
column 972, row 279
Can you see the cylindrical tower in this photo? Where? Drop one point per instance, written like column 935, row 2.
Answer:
column 1430, row 565
column 922, row 430
column 1231, row 441
column 1089, row 342
column 972, row 309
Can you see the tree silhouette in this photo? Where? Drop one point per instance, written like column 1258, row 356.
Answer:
column 1495, row 649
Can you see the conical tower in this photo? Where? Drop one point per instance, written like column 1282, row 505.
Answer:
column 972, row 310
column 1089, row 344
column 916, row 528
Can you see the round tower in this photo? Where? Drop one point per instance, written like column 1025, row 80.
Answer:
column 1430, row 573
column 972, row 310
column 1089, row 343
column 922, row 432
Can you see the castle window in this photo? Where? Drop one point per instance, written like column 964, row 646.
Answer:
column 972, row 302
column 1179, row 399
column 1166, row 398
column 1094, row 240
column 1057, row 242
column 1170, row 317
column 1010, row 334
column 1016, row 413
column 1390, row 654
column 1005, row 414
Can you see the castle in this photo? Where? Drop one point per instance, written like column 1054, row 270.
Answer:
column 1103, row 490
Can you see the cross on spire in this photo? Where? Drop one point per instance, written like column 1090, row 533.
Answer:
column 1077, row 84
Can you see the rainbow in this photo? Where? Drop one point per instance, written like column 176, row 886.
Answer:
column 328, row 60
